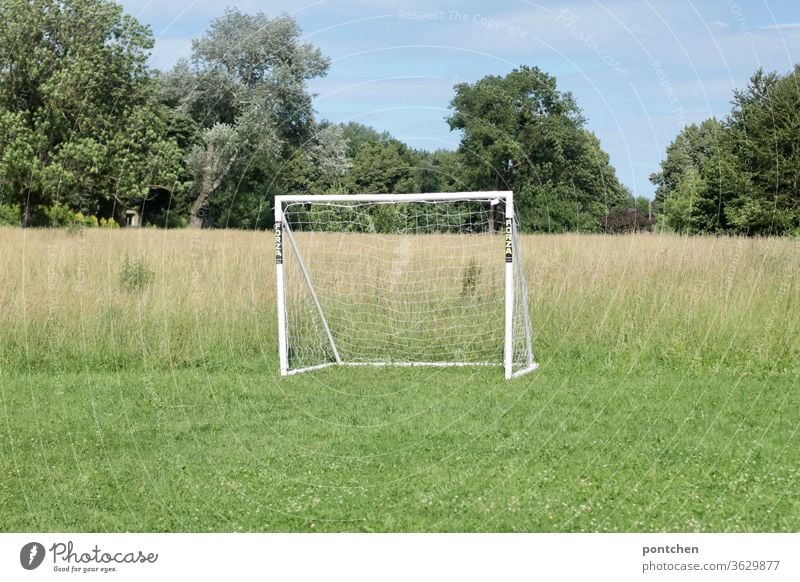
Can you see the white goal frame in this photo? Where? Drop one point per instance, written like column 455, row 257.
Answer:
column 513, row 269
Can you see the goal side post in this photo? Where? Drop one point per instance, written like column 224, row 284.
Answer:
column 283, row 348
column 520, row 296
column 508, row 345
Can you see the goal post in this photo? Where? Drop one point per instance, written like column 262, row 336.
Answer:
column 401, row 280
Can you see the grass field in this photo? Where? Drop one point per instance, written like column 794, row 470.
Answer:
column 667, row 398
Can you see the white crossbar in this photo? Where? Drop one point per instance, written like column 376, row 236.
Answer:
column 437, row 197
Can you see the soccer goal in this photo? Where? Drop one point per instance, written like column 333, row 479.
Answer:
column 401, row 280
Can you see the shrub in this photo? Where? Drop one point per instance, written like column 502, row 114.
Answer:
column 135, row 274
column 90, row 220
column 167, row 219
column 470, row 278
column 9, row 215
column 621, row 220
column 59, row 215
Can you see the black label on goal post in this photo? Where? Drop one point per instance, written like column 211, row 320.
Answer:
column 509, row 240
column 278, row 243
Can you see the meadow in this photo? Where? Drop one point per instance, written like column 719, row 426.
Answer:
column 139, row 392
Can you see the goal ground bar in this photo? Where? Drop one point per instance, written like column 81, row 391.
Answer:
column 524, row 371
column 411, row 365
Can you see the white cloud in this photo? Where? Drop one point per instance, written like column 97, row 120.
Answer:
column 781, row 26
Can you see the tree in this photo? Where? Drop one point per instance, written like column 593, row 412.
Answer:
column 741, row 175
column 321, row 165
column 79, row 121
column 383, row 167
column 681, row 207
column 520, row 133
column 357, row 135
column 697, row 179
column 246, row 88
column 642, row 204
column 440, row 171
column 764, row 132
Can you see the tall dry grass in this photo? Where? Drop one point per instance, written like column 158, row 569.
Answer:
column 681, row 301
column 64, row 305
column 595, row 300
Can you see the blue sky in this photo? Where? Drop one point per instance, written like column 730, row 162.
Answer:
column 639, row 69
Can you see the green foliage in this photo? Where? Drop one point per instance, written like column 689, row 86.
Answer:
column 247, row 89
column 135, row 274
column 59, row 215
column 79, row 123
column 696, row 178
column 246, row 203
column 681, row 208
column 741, row 175
column 382, row 164
column 642, row 204
column 441, row 171
column 765, row 139
column 336, row 218
column 383, row 167
column 240, row 207
column 90, row 220
column 520, row 133
column 321, row 165
column 86, row 127
column 357, row 136
column 171, row 212
column 389, row 218
column 9, row 215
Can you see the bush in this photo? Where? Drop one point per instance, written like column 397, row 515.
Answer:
column 622, row 220
column 62, row 216
column 167, row 219
column 59, row 216
column 9, row 215
column 470, row 278
column 90, row 220
column 135, row 274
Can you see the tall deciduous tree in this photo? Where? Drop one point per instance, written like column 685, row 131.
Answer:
column 521, row 133
column 764, row 132
column 247, row 88
column 697, row 180
column 321, row 165
column 741, row 175
column 383, row 167
column 79, row 122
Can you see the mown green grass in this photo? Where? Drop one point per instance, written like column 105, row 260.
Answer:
column 565, row 449
column 667, row 399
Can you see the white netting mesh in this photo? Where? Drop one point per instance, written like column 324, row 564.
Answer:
column 398, row 282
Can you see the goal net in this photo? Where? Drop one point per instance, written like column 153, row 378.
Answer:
column 401, row 279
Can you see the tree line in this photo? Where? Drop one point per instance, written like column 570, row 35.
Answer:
column 88, row 131
column 741, row 174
